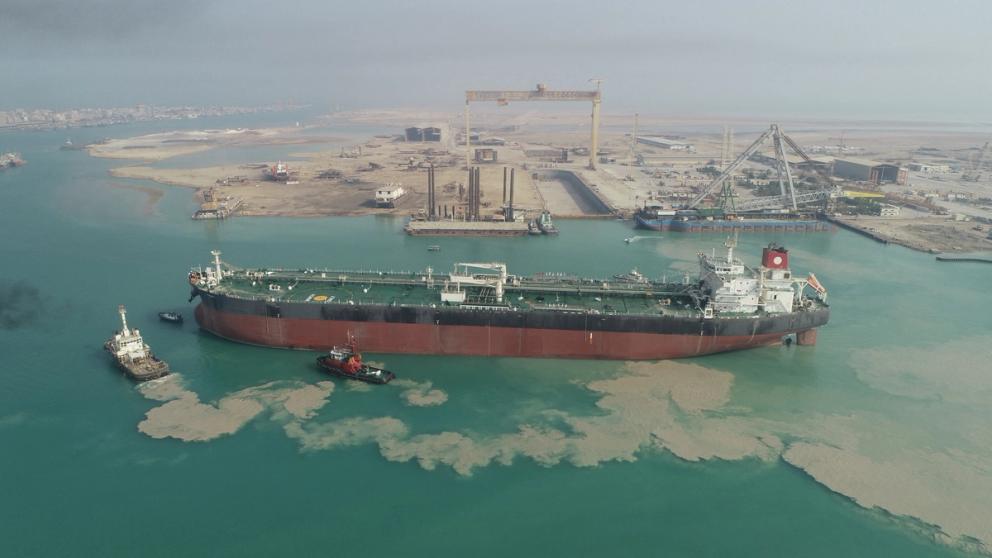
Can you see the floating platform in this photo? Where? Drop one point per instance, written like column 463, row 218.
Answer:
column 466, row 228
column 733, row 225
column 980, row 257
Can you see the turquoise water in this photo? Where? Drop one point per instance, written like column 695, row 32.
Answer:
column 78, row 478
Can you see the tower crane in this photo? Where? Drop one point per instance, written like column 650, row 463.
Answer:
column 975, row 170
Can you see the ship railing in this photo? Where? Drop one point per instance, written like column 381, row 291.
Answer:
column 408, row 278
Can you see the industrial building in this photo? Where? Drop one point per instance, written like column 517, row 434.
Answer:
column 423, row 134
column 865, row 170
column 664, row 143
column 486, row 155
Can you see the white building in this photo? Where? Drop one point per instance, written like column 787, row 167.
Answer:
column 929, row 169
column 665, row 143
column 386, row 197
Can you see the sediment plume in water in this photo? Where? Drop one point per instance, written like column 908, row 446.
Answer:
column 672, row 406
column 932, row 487
column 20, row 304
column 955, row 371
column 420, row 394
column 184, row 417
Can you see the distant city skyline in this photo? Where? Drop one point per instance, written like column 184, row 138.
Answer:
column 887, row 60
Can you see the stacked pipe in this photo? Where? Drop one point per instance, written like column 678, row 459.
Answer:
column 509, row 206
column 478, row 193
column 470, row 201
column 431, row 213
column 472, row 212
column 504, row 186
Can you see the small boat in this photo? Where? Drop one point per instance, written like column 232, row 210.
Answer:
column 633, row 276
column 171, row 317
column 433, row 248
column 532, row 228
column 132, row 355
column 545, row 224
column 346, row 362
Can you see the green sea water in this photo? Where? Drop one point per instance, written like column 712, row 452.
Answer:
column 899, row 384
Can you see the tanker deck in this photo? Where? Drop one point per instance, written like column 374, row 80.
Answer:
column 480, row 309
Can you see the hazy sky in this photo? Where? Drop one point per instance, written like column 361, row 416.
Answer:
column 829, row 58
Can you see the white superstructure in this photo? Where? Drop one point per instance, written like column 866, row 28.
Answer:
column 385, row 197
column 127, row 344
column 734, row 288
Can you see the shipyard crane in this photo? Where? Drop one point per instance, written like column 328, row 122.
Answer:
column 975, row 170
column 787, row 193
column 841, row 146
column 542, row 93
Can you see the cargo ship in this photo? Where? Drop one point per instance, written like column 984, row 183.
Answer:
column 481, row 309
column 658, row 218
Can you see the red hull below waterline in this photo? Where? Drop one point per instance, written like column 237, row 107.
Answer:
column 386, row 337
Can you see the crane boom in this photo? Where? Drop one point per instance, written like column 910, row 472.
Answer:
column 542, row 93
column 798, row 150
column 976, row 165
column 775, row 202
column 537, row 95
column 751, row 150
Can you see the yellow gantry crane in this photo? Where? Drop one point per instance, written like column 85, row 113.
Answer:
column 542, row 93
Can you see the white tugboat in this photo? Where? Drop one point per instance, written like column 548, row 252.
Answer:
column 133, row 356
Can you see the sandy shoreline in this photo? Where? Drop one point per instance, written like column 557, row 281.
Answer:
column 343, row 182
column 924, row 234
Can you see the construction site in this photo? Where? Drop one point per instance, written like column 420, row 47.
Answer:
column 453, row 168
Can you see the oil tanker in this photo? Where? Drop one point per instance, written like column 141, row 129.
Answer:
column 482, row 309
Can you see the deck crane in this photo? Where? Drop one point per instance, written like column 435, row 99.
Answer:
column 542, row 93
column 787, row 193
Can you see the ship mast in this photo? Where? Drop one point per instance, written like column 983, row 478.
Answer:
column 123, row 313
column 216, row 254
column 731, row 244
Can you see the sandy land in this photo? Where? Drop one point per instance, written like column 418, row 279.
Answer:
column 157, row 147
column 343, row 182
column 351, row 190
column 926, row 234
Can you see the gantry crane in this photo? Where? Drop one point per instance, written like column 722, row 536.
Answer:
column 542, row 93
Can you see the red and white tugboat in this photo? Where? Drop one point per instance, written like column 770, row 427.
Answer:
column 346, row 362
